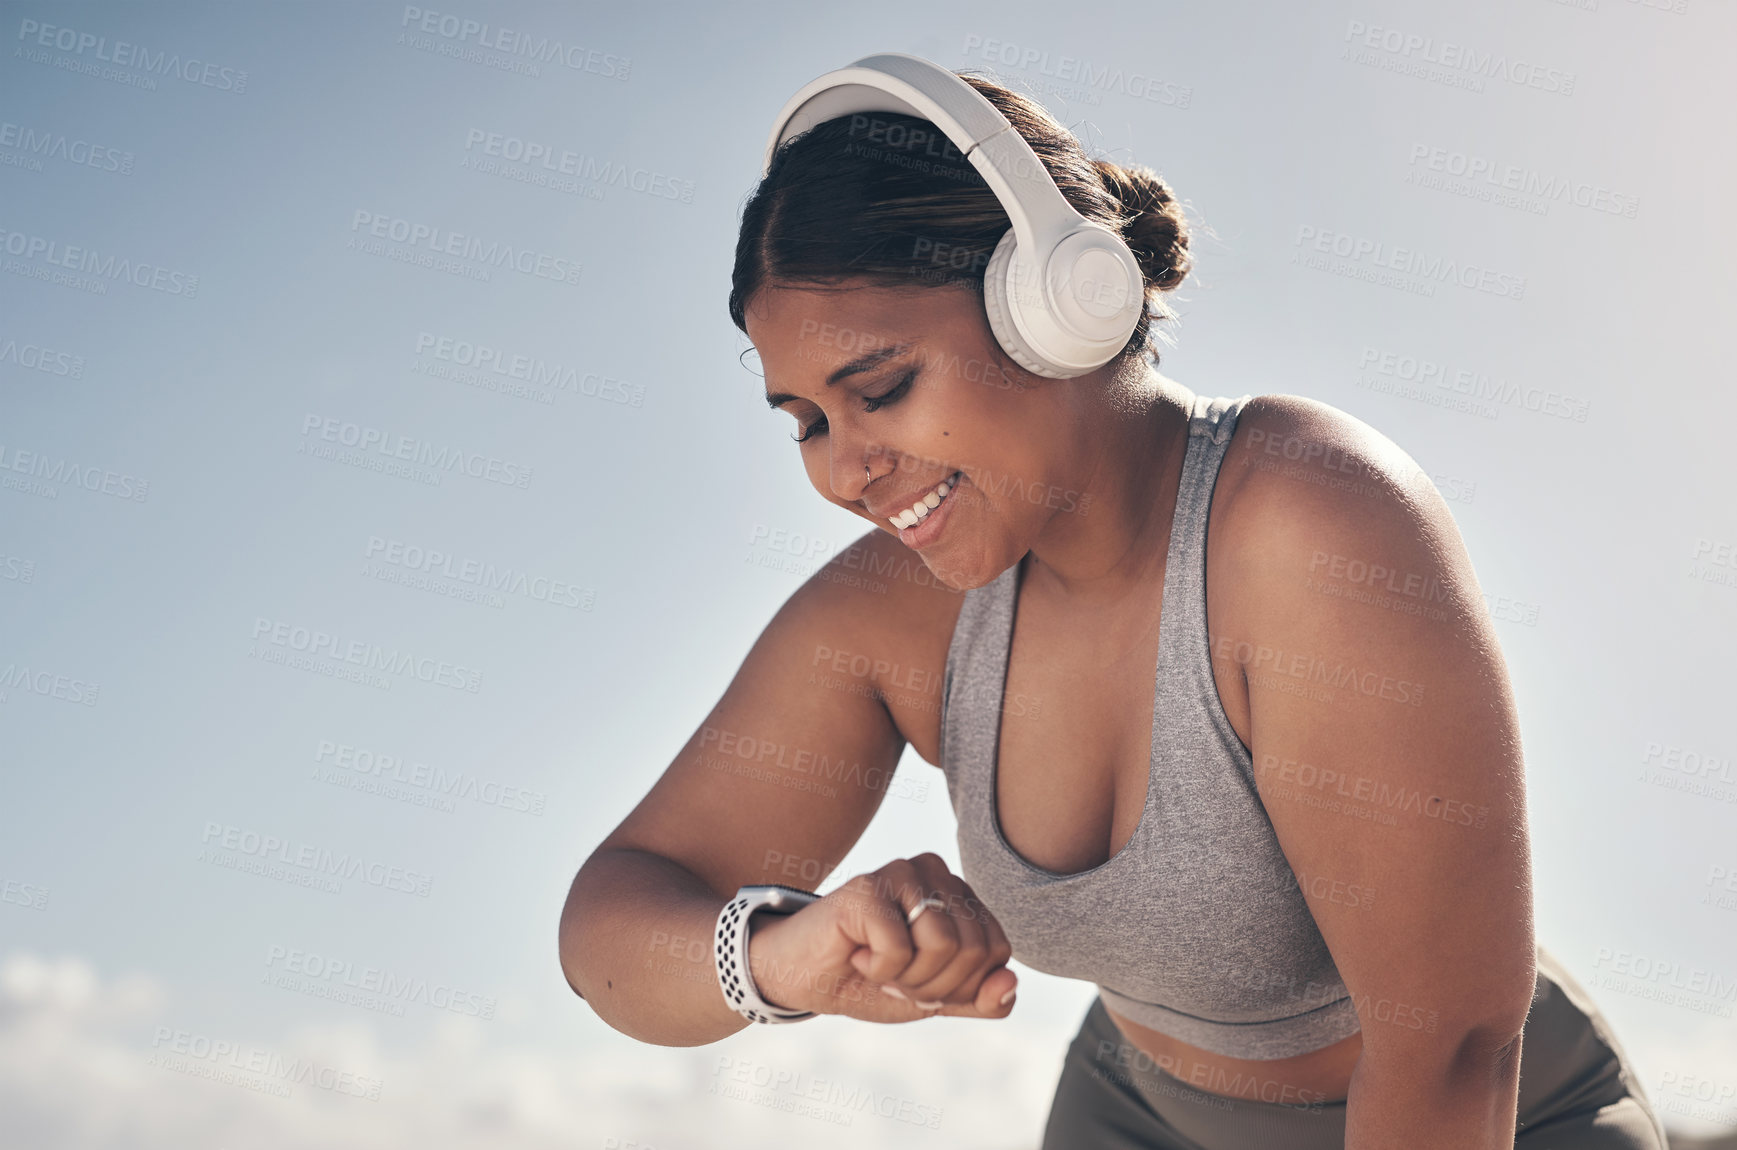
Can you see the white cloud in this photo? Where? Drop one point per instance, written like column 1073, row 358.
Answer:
column 82, row 1067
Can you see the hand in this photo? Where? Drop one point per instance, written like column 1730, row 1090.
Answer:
column 836, row 955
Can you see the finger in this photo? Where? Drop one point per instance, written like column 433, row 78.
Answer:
column 1001, row 984
column 968, row 908
column 876, row 921
column 983, row 995
column 967, row 959
column 997, row 994
column 935, row 939
column 982, row 946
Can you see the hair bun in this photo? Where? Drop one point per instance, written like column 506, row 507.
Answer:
column 1155, row 229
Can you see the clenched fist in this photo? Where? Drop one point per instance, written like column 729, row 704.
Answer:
column 907, row 941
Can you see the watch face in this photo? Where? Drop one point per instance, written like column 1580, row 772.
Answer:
column 778, row 897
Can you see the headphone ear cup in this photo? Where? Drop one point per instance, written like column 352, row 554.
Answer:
column 999, row 308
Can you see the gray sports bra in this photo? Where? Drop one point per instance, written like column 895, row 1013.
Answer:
column 1196, row 928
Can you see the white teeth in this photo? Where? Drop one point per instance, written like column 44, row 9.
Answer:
column 919, row 511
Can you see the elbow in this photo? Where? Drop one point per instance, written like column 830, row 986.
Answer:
column 567, row 935
column 1479, row 1054
column 568, row 972
column 1489, row 1055
column 1492, row 1044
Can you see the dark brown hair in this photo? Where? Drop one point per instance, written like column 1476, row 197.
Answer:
column 887, row 198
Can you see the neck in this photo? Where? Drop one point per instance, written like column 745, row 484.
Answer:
column 1127, row 449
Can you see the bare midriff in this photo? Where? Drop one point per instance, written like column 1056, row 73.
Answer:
column 1319, row 1076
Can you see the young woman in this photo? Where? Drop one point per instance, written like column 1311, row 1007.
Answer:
column 1211, row 682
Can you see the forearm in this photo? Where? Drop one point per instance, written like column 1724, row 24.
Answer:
column 1469, row 1105
column 636, row 944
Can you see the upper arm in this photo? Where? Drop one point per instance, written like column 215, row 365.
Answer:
column 786, row 771
column 1383, row 728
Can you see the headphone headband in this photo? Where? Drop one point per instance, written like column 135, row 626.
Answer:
column 913, row 86
column 1062, row 292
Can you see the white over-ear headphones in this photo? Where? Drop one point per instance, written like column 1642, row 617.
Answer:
column 1063, row 293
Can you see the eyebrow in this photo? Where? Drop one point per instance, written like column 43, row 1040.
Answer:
column 856, row 366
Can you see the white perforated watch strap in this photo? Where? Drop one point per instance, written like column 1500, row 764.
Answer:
column 730, row 949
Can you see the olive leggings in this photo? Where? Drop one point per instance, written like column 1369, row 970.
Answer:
column 1578, row 1091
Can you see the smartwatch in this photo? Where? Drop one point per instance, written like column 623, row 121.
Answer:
column 730, row 948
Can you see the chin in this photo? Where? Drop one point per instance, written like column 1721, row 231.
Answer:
column 961, row 579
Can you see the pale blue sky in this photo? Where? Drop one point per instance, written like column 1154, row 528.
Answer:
column 657, row 471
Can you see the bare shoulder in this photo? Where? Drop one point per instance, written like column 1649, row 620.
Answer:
column 1297, row 470
column 1314, row 445
column 1326, row 535
column 894, row 624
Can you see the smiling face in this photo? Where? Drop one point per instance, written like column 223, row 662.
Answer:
column 920, row 391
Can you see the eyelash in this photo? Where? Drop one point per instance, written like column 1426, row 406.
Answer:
column 869, row 404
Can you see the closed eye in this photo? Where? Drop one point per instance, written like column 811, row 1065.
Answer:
column 869, row 404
